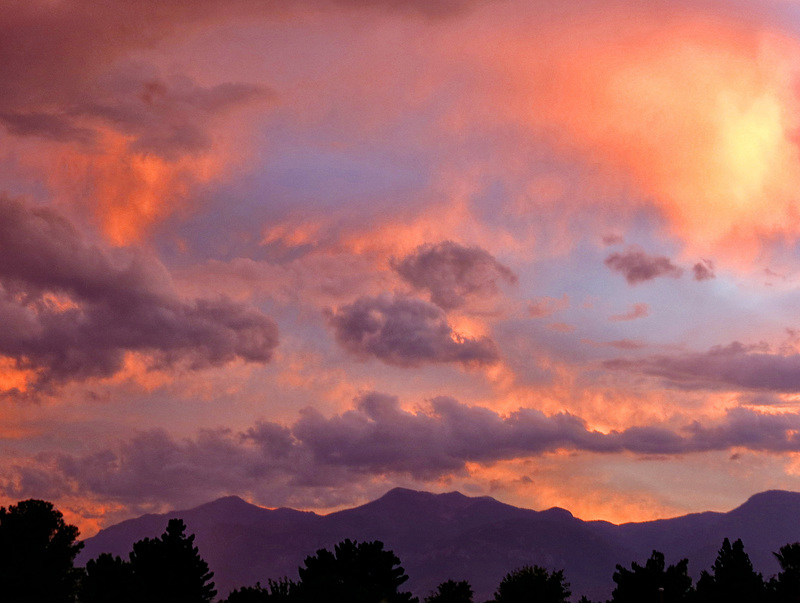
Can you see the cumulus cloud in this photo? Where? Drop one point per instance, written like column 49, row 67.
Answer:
column 71, row 310
column 276, row 463
column 637, row 266
column 732, row 366
column 405, row 331
column 452, row 273
column 636, row 311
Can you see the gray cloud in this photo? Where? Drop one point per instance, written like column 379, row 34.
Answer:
column 732, row 366
column 70, row 309
column 405, row 331
column 451, row 273
column 638, row 267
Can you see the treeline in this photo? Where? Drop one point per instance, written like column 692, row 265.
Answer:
column 38, row 551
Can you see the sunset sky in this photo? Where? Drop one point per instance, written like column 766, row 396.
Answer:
column 304, row 252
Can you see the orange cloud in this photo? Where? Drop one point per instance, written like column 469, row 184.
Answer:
column 700, row 115
column 561, row 480
column 129, row 191
column 14, row 378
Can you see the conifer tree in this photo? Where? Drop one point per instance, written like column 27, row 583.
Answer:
column 37, row 553
column 169, row 569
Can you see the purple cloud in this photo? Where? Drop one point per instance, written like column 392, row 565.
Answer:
column 703, row 270
column 283, row 463
column 638, row 267
column 732, row 366
column 405, row 331
column 71, row 309
column 451, row 273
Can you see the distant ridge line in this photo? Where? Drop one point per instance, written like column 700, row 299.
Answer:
column 454, row 536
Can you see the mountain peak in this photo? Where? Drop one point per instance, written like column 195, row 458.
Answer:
column 769, row 499
column 558, row 512
column 405, row 493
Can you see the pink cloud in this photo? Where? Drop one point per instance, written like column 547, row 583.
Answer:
column 542, row 307
column 640, row 310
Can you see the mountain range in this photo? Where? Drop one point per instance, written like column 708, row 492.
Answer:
column 451, row 536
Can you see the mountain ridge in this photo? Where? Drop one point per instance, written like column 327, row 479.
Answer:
column 453, row 536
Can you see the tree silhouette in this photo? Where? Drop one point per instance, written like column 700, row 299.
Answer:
column 281, row 591
column 733, row 579
column 37, row 552
column 356, row 573
column 533, row 584
column 787, row 585
column 642, row 584
column 108, row 579
column 451, row 592
column 170, row 570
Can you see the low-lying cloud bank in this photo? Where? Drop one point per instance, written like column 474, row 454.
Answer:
column 281, row 464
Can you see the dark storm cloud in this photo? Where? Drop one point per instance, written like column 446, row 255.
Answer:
column 703, row 270
column 70, row 309
column 405, row 331
column 451, row 273
column 637, row 266
column 376, row 438
column 732, row 366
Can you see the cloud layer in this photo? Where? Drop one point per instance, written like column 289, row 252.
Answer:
column 375, row 439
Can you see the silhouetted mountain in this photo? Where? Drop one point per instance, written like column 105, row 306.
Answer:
column 452, row 536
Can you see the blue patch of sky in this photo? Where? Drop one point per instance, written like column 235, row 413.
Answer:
column 312, row 180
